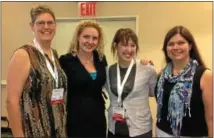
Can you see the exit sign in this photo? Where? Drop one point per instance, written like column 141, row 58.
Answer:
column 87, row 8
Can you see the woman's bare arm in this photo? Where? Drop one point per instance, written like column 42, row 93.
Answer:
column 206, row 87
column 18, row 71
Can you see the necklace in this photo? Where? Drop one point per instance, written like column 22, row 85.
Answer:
column 86, row 61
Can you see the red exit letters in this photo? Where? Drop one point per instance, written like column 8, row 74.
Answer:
column 88, row 8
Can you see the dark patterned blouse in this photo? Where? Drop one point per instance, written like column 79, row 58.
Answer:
column 39, row 117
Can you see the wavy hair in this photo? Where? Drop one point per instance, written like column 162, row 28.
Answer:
column 74, row 46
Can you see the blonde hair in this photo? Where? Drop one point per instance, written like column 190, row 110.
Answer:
column 74, row 46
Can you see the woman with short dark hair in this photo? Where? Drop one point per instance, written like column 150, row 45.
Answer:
column 129, row 84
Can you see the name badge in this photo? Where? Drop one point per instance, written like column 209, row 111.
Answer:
column 119, row 114
column 57, row 96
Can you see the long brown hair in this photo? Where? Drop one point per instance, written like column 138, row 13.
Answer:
column 186, row 34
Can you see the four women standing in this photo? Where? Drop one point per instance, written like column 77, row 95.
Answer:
column 37, row 90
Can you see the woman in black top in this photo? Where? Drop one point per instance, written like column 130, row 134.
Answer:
column 184, row 89
column 84, row 66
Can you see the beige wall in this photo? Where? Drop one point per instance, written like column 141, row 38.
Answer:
column 15, row 25
column 16, row 30
column 155, row 19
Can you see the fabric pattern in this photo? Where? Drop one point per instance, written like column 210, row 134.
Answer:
column 39, row 117
column 179, row 100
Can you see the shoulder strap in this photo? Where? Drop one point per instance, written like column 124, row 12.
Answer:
column 197, row 77
column 32, row 53
column 107, row 78
column 56, row 58
column 55, row 53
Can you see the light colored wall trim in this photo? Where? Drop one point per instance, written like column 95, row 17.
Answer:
column 106, row 18
column 3, row 82
column 137, row 26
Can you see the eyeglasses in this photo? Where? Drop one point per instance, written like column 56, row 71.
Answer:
column 42, row 23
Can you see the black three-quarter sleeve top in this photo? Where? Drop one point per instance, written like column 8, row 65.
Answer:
column 85, row 105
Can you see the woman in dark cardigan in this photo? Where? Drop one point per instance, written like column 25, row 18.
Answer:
column 84, row 66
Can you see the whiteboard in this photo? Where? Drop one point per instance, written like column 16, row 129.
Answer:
column 66, row 28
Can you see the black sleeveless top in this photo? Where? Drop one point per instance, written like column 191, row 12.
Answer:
column 194, row 126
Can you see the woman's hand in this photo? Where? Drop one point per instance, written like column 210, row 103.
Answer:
column 146, row 62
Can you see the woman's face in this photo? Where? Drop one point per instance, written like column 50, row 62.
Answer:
column 178, row 48
column 88, row 39
column 44, row 27
column 126, row 52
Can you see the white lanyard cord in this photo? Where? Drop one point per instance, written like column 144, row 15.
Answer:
column 119, row 85
column 53, row 72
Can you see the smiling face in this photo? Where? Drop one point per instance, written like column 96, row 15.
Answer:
column 125, row 45
column 178, row 48
column 126, row 52
column 88, row 39
column 44, row 27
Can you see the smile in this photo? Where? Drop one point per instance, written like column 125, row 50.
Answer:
column 128, row 55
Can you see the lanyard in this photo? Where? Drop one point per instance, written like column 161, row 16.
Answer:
column 53, row 72
column 119, row 85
